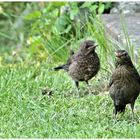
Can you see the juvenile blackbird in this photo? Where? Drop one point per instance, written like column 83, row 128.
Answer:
column 83, row 65
column 124, row 83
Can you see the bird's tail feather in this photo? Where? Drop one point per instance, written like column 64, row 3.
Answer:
column 59, row 67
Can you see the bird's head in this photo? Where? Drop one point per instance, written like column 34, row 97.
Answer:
column 88, row 47
column 122, row 58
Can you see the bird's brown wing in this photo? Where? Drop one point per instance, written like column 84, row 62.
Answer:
column 135, row 74
column 114, row 77
column 71, row 57
column 111, row 80
column 67, row 64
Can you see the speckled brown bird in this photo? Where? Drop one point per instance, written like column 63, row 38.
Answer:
column 83, row 65
column 124, row 83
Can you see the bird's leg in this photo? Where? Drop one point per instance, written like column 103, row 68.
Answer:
column 87, row 83
column 89, row 87
column 114, row 113
column 77, row 85
column 132, row 108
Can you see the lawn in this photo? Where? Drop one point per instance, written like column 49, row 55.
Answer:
column 26, row 113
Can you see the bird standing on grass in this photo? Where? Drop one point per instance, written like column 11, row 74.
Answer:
column 124, row 83
column 83, row 65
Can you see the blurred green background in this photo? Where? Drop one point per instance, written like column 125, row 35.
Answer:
column 43, row 30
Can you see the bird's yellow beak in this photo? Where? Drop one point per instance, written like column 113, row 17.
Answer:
column 92, row 47
column 119, row 54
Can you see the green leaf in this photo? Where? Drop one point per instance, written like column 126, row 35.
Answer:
column 73, row 14
column 93, row 8
column 62, row 20
column 1, row 10
column 86, row 4
column 108, row 5
column 101, row 8
column 61, row 23
column 33, row 15
column 68, row 29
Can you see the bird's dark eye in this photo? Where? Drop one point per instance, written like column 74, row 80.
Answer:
column 87, row 46
column 125, row 54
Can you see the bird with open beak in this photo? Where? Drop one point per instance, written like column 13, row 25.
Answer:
column 124, row 83
column 83, row 65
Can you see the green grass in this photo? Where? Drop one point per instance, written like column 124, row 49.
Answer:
column 25, row 112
